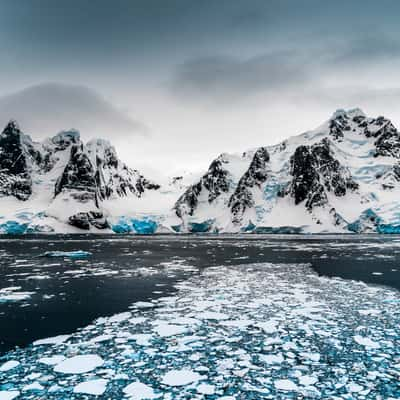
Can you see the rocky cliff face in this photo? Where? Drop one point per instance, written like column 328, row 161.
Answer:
column 315, row 172
column 15, row 179
column 255, row 176
column 212, row 184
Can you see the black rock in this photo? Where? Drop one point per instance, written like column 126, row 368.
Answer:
column 14, row 171
column 215, row 181
column 79, row 173
column 84, row 220
column 315, row 171
column 242, row 198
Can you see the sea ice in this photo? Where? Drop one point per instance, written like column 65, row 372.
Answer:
column 181, row 377
column 367, row 342
column 8, row 394
column 95, row 387
column 52, row 340
column 140, row 391
column 285, row 384
column 79, row 364
column 205, row 388
column 69, row 254
column 277, row 332
column 9, row 365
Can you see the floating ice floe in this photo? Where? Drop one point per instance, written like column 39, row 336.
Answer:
column 52, row 340
column 181, row 377
column 9, row 394
column 12, row 294
column 79, row 364
column 257, row 331
column 9, row 365
column 69, row 254
column 140, row 391
column 95, row 387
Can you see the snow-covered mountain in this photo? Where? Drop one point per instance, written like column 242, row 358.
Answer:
column 343, row 176
column 62, row 184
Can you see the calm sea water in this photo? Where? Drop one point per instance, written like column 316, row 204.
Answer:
column 58, row 295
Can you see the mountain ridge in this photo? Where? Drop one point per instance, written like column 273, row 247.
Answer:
column 343, row 176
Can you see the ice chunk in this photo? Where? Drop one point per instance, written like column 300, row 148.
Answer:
column 354, row 387
column 307, row 380
column 165, row 329
column 96, row 387
column 212, row 315
column 79, row 364
column 69, row 254
column 52, row 340
column 139, row 391
column 53, row 360
column 9, row 365
column 8, row 394
column 205, row 388
column 285, row 384
column 32, row 387
column 268, row 326
column 272, row 358
column 181, row 377
column 367, row 342
column 11, row 294
column 120, row 317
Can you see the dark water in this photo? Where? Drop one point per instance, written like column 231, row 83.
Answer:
column 123, row 270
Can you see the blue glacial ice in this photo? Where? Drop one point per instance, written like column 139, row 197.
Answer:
column 144, row 226
column 256, row 331
column 368, row 221
column 200, row 227
column 14, row 228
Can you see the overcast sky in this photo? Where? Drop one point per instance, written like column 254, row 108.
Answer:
column 173, row 83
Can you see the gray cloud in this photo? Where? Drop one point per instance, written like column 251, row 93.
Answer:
column 231, row 79
column 227, row 80
column 48, row 108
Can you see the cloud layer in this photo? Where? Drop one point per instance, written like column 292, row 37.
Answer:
column 47, row 108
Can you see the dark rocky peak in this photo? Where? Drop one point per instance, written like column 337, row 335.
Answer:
column 387, row 137
column 388, row 141
column 78, row 175
column 315, row 171
column 343, row 121
column 113, row 177
column 15, row 179
column 215, row 180
column 257, row 173
column 12, row 155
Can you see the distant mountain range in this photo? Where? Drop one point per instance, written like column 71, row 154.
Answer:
column 341, row 177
